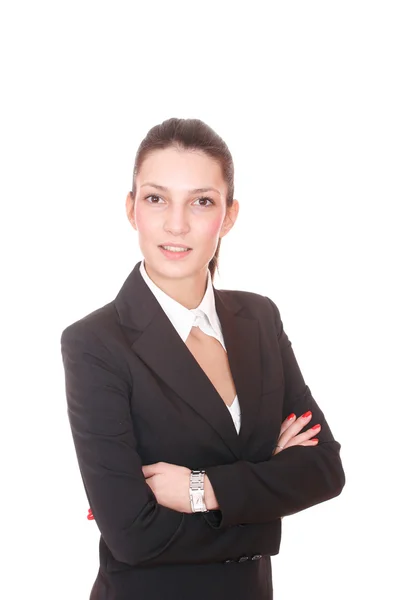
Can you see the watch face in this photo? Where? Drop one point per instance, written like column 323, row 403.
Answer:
column 197, row 500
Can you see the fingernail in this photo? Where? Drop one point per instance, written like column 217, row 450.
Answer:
column 316, row 426
column 306, row 415
column 314, row 440
column 291, row 416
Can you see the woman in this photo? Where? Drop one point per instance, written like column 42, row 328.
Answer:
column 187, row 465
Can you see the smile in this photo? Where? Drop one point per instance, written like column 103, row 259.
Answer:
column 175, row 248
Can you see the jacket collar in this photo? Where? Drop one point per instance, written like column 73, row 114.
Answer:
column 181, row 317
column 154, row 339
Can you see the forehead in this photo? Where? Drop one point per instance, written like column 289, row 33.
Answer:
column 175, row 168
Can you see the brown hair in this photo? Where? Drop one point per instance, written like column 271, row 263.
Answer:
column 189, row 134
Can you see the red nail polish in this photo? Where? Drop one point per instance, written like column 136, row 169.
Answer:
column 314, row 440
column 306, row 415
column 291, row 416
column 316, row 426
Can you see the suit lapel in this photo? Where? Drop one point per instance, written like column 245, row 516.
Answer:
column 154, row 339
column 242, row 341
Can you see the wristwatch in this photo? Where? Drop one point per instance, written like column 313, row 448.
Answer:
column 196, row 491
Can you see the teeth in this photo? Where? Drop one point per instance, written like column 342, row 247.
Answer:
column 174, row 249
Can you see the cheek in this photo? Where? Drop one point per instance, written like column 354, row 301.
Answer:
column 212, row 227
column 143, row 223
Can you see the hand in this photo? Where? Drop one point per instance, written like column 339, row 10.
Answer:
column 289, row 433
column 170, row 485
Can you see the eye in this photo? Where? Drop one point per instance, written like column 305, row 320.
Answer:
column 206, row 198
column 153, row 196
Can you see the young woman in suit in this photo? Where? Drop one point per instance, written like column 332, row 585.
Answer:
column 194, row 430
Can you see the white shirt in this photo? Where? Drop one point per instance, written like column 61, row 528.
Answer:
column 183, row 319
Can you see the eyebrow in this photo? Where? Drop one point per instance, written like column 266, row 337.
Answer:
column 195, row 191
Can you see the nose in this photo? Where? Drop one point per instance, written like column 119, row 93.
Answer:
column 176, row 221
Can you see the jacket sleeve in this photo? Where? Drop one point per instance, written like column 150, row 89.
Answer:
column 294, row 479
column 136, row 529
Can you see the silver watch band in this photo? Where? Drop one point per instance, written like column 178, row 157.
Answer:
column 196, row 491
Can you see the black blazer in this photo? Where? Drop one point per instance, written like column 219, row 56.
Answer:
column 136, row 395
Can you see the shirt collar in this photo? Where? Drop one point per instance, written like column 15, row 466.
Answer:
column 182, row 318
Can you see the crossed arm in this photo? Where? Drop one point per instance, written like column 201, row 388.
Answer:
column 302, row 472
column 298, row 475
column 146, row 521
column 170, row 483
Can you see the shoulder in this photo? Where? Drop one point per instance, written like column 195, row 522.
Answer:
column 256, row 305
column 92, row 325
column 95, row 339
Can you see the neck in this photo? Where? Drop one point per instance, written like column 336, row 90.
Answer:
column 188, row 291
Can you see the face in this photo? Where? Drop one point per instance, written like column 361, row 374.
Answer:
column 180, row 200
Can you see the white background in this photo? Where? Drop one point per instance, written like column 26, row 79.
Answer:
column 306, row 95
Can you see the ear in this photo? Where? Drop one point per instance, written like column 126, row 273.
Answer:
column 130, row 209
column 230, row 218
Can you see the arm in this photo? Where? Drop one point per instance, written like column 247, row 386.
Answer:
column 136, row 529
column 296, row 478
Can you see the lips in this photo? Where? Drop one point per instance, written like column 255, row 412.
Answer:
column 176, row 246
column 175, row 252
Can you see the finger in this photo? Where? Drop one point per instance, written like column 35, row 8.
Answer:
column 306, row 435
column 153, row 469
column 312, row 442
column 150, row 483
column 295, row 428
column 287, row 423
column 148, row 470
column 278, row 448
column 294, row 442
